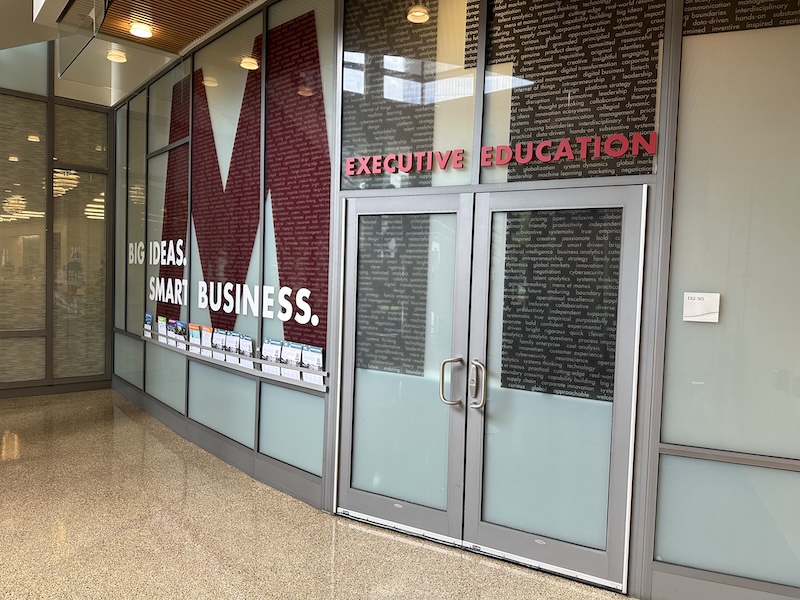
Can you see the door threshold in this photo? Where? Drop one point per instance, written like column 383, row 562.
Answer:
column 483, row 550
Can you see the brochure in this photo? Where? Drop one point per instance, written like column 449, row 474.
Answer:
column 194, row 338
column 218, row 343
column 271, row 351
column 180, row 334
column 246, row 349
column 312, row 359
column 148, row 325
column 162, row 330
column 232, row 346
column 205, row 340
column 291, row 354
column 171, row 336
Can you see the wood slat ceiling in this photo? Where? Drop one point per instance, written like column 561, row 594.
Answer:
column 175, row 23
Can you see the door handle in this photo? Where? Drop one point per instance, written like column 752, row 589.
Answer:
column 476, row 366
column 458, row 360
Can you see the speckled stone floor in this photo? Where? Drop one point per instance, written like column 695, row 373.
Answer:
column 99, row 500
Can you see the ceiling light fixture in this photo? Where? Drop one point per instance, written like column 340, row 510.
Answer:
column 117, row 56
column 14, row 204
column 249, row 63
column 33, row 138
column 210, row 81
column 417, row 13
column 141, row 30
column 13, row 158
column 305, row 91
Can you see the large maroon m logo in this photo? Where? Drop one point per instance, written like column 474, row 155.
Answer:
column 226, row 218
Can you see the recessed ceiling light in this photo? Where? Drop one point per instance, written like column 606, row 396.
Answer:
column 417, row 13
column 13, row 158
column 210, row 81
column 141, row 30
column 33, row 138
column 117, row 56
column 249, row 63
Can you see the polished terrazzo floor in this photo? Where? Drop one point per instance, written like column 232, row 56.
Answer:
column 99, row 500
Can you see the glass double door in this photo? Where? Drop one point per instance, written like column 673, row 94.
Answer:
column 490, row 347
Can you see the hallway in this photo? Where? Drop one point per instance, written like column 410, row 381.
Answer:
column 99, row 500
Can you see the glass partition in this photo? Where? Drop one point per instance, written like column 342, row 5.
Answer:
column 169, row 107
column 571, row 89
column 79, row 308
column 408, row 95
column 81, row 137
column 24, row 68
column 23, row 153
column 137, row 185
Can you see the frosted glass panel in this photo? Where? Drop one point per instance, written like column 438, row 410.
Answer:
column 735, row 385
column 701, row 505
column 224, row 402
column 24, row 68
column 292, row 427
column 166, row 376
column 129, row 360
column 403, row 331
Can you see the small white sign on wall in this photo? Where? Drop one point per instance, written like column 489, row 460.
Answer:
column 701, row 307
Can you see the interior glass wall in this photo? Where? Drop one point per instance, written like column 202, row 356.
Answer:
column 732, row 372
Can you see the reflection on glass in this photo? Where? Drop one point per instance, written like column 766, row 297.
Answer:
column 169, row 107
column 137, row 152
column 408, row 87
column 406, row 269
column 79, row 307
column 121, row 250
column 24, row 68
column 22, row 210
column 81, row 137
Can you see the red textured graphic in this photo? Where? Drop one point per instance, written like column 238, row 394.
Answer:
column 298, row 168
column 176, row 195
column 226, row 220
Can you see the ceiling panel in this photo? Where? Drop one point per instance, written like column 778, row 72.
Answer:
column 175, row 24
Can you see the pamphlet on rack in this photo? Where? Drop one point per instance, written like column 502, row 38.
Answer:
column 180, row 334
column 162, row 330
column 246, row 349
column 218, row 343
column 291, row 353
column 206, row 333
column 271, row 351
column 148, row 325
column 194, row 338
column 232, row 339
column 171, row 335
column 312, row 359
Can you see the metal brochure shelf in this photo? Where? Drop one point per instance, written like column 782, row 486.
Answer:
column 258, row 374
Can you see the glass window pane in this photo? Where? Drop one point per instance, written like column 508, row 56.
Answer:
column 121, row 245
column 137, row 185
column 735, row 384
column 24, row 68
column 169, row 107
column 300, row 99
column 79, row 306
column 23, row 153
column 166, row 376
column 292, row 427
column 226, row 183
column 129, row 359
column 22, row 359
column 571, row 89
column 81, row 137
column 223, row 402
column 408, row 88
column 167, row 227
column 728, row 518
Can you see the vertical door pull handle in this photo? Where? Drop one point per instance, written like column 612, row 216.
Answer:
column 478, row 365
column 458, row 360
